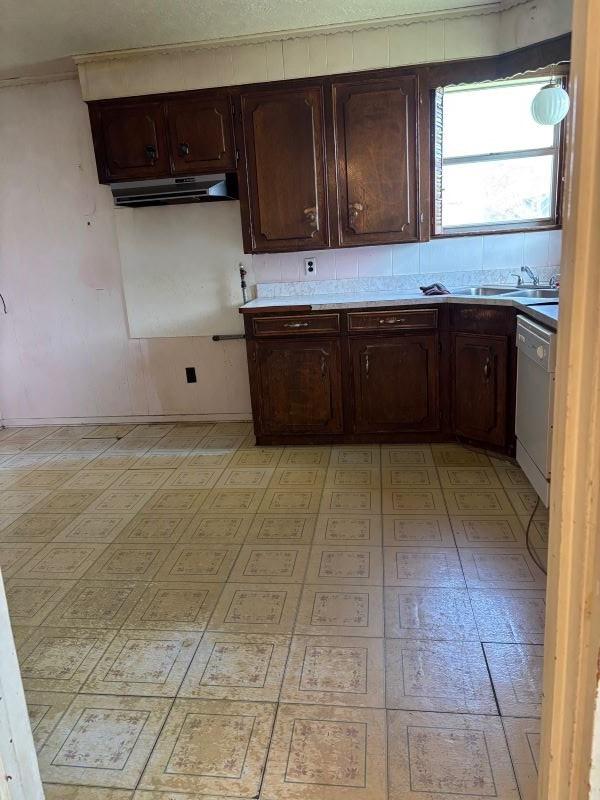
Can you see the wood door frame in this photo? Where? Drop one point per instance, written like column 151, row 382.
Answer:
column 572, row 642
column 19, row 770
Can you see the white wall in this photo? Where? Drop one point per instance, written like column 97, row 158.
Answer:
column 65, row 349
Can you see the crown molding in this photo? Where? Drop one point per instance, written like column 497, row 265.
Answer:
column 492, row 7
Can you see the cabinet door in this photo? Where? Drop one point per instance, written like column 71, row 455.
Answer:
column 480, row 387
column 200, row 134
column 396, row 383
column 283, row 136
column 134, row 140
column 297, row 386
column 377, row 166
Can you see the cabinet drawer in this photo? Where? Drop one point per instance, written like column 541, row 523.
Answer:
column 296, row 325
column 392, row 320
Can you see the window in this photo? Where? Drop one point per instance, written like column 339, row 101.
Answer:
column 495, row 167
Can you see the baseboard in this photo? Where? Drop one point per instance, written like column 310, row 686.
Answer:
column 17, row 422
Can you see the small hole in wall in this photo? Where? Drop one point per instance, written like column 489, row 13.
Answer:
column 190, row 374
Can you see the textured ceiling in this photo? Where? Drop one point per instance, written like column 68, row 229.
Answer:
column 35, row 31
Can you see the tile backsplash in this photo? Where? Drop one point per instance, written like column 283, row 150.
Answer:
column 452, row 260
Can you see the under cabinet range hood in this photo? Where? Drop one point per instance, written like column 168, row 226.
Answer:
column 166, row 191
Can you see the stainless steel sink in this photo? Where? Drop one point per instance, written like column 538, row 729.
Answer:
column 537, row 292
column 484, row 291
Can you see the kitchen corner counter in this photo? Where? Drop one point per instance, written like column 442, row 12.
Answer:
column 545, row 313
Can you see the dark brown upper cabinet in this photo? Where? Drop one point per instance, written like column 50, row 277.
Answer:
column 200, row 135
column 286, row 175
column 376, row 160
column 130, row 140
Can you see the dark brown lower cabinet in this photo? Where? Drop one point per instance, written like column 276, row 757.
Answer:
column 479, row 388
column 414, row 374
column 395, row 383
column 297, row 386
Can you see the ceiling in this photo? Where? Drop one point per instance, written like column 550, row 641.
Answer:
column 38, row 31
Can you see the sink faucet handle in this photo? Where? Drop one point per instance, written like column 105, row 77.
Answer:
column 518, row 277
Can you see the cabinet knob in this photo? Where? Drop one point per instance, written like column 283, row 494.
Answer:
column 354, row 209
column 184, row 149
column 150, row 151
column 310, row 215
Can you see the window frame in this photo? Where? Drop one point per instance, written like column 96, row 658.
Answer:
column 560, row 73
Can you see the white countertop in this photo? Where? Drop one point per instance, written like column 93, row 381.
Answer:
column 547, row 314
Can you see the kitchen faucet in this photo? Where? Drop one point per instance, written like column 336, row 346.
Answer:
column 531, row 274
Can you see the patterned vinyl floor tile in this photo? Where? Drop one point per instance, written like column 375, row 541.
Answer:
column 237, row 666
column 197, row 617
column 340, row 671
column 458, row 756
column 326, row 753
column 103, row 741
column 211, row 747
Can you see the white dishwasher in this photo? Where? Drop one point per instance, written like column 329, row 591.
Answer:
column 536, row 361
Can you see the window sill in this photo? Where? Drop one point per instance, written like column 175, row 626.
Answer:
column 454, row 234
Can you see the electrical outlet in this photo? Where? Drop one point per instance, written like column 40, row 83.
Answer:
column 190, row 374
column 310, row 267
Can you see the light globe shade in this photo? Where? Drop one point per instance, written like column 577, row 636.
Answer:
column 550, row 105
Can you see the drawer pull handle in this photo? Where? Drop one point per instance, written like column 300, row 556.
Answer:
column 487, row 369
column 150, row 152
column 392, row 321
column 323, row 364
column 184, row 149
column 367, row 365
column 295, row 324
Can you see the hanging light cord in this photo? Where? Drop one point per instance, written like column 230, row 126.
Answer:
column 532, row 552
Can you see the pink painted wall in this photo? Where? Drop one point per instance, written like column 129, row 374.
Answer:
column 64, row 344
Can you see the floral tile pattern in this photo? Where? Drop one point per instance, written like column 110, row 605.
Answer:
column 220, row 528
column 501, row 569
column 144, row 663
column 438, row 676
column 323, row 752
column 355, row 529
column 345, row 671
column 237, row 666
column 198, row 562
column 99, row 604
column 103, row 741
column 508, row 615
column 429, row 614
column 422, row 566
column 272, row 563
column 340, row 611
column 127, row 561
column 176, row 606
column 417, row 531
column 60, row 659
column 488, row 531
column 282, row 529
column 343, row 565
column 62, row 561
column 462, row 756
column 211, row 747
column 255, row 608
column 173, row 589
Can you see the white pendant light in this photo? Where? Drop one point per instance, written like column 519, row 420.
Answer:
column 550, row 105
